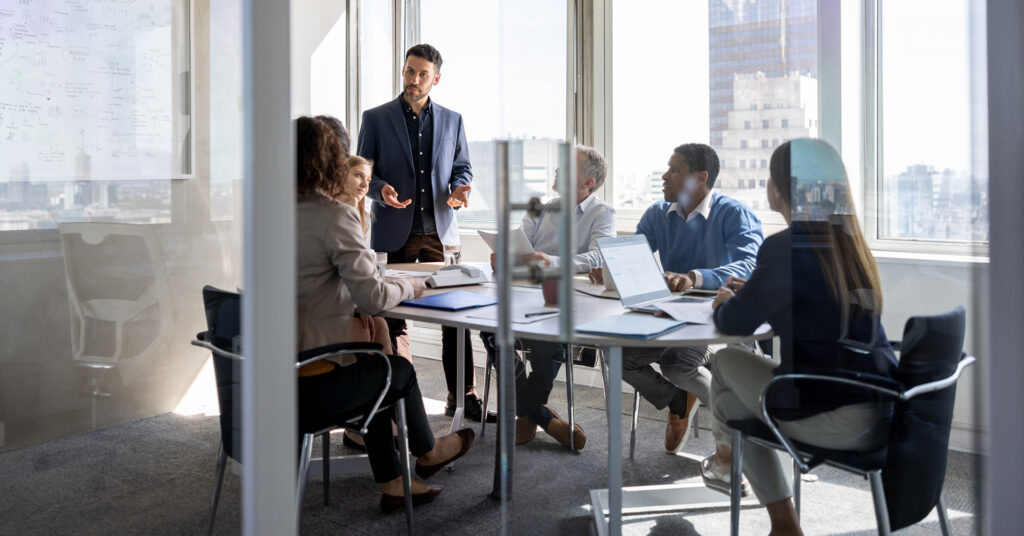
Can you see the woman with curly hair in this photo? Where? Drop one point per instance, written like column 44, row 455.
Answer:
column 337, row 274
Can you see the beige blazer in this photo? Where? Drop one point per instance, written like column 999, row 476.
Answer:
column 337, row 272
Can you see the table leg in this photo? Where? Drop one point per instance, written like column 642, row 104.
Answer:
column 504, row 449
column 614, row 356
column 460, row 397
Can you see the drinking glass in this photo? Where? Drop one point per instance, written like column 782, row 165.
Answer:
column 452, row 255
column 382, row 264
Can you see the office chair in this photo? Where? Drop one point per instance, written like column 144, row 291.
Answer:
column 907, row 473
column 223, row 336
column 119, row 301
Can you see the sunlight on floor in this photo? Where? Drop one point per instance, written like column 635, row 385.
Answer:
column 201, row 397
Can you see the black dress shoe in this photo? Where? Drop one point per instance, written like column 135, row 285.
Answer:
column 426, row 471
column 390, row 504
column 473, row 410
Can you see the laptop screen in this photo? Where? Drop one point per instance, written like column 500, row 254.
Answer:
column 633, row 269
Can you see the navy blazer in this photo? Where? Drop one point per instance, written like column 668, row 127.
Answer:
column 788, row 290
column 384, row 138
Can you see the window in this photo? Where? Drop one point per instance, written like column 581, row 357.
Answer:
column 761, row 62
column 785, row 123
column 376, row 55
column 764, row 163
column 639, row 29
column 764, row 144
column 504, row 86
column 929, row 188
column 115, row 119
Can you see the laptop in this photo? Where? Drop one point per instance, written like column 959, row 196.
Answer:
column 631, row 265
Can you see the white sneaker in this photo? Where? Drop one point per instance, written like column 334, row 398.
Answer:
column 718, row 477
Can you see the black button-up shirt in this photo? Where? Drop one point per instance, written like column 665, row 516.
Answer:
column 421, row 143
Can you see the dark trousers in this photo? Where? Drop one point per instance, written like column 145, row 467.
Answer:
column 349, row 391
column 428, row 248
column 533, row 389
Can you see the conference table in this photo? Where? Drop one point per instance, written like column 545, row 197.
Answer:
column 587, row 307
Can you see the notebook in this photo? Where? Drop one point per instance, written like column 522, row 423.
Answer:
column 455, row 300
column 634, row 326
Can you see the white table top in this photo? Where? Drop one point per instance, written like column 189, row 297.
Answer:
column 587, row 308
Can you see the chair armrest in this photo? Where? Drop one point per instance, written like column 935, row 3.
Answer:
column 202, row 341
column 334, row 350
column 783, row 439
column 965, row 361
column 313, row 355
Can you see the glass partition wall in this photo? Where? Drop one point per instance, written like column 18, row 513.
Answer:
column 126, row 195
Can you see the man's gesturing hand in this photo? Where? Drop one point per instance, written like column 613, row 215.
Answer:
column 390, row 197
column 460, row 197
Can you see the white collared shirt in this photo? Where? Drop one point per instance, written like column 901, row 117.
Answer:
column 704, row 209
column 594, row 219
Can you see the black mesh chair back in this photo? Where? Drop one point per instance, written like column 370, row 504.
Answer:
column 224, row 325
column 915, row 466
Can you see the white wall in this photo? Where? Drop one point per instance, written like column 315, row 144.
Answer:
column 311, row 21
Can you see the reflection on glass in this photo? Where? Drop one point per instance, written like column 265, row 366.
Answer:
column 119, row 300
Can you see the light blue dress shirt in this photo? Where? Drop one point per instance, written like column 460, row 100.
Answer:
column 594, row 219
column 718, row 242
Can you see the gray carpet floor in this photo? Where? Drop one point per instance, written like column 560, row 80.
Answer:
column 155, row 476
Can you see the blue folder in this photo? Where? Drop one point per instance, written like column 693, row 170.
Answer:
column 634, row 326
column 455, row 300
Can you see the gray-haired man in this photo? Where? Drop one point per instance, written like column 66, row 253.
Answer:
column 594, row 219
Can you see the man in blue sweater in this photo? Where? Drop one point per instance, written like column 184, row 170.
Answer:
column 703, row 238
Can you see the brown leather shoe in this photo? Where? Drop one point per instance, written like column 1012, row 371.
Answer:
column 677, row 431
column 526, row 430
column 390, row 504
column 558, row 428
column 426, row 471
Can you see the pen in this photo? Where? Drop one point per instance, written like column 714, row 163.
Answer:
column 539, row 313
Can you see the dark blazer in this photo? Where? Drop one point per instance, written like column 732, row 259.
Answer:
column 788, row 290
column 384, row 138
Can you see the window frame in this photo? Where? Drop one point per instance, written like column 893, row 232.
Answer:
column 873, row 155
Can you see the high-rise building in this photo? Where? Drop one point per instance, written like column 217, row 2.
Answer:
column 774, row 37
column 765, row 112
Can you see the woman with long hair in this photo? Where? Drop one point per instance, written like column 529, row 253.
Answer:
column 817, row 285
column 336, row 274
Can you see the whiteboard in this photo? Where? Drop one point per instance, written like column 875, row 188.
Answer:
column 86, row 89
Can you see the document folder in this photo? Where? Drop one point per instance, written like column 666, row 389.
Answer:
column 634, row 326
column 455, row 300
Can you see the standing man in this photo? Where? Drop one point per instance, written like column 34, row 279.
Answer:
column 421, row 177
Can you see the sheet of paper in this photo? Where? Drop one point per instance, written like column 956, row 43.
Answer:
column 404, row 274
column 520, row 244
column 689, row 312
column 524, row 315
